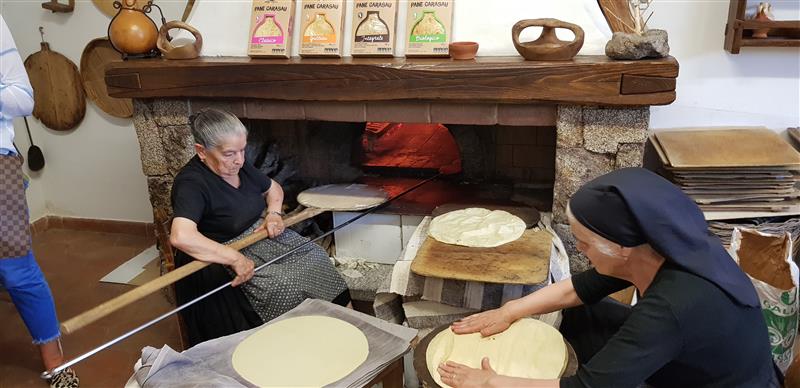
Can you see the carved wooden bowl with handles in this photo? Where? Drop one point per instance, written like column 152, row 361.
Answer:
column 548, row 47
column 187, row 51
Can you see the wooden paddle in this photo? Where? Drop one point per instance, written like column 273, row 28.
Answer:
column 59, row 102
column 110, row 306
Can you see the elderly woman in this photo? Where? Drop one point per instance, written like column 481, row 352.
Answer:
column 217, row 198
column 697, row 322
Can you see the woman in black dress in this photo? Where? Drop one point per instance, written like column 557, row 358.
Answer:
column 697, row 321
column 218, row 198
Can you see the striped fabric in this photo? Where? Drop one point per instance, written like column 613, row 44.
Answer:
column 406, row 286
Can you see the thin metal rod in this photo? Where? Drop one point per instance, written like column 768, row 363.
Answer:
column 50, row 373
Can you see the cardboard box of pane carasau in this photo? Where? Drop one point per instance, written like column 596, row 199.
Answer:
column 321, row 25
column 430, row 24
column 271, row 28
column 374, row 28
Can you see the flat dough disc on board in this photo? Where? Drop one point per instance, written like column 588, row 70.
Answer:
column 342, row 197
column 477, row 227
column 309, row 351
column 529, row 348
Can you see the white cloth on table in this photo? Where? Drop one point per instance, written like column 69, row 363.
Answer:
column 209, row 363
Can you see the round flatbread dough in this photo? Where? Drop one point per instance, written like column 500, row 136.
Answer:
column 477, row 227
column 342, row 197
column 529, row 348
column 309, row 351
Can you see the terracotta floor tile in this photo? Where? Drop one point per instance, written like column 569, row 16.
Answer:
column 73, row 263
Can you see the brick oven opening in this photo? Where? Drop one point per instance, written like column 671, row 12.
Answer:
column 484, row 165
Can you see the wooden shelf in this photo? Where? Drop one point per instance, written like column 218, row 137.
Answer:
column 770, row 42
column 754, row 24
column 585, row 80
column 739, row 31
column 55, row 6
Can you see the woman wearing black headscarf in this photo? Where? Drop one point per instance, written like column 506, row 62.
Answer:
column 697, row 322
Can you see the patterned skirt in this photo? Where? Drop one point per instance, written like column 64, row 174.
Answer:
column 284, row 284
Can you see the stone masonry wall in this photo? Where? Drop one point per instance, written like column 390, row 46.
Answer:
column 590, row 142
column 165, row 139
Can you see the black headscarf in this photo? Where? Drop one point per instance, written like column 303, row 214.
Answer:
column 633, row 206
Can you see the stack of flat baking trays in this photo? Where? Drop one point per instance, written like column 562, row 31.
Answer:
column 732, row 170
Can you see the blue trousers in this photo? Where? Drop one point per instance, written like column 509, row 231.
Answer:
column 23, row 279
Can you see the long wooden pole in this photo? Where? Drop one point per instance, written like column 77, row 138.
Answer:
column 78, row 322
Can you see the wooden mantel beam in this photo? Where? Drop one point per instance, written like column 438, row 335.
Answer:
column 585, row 80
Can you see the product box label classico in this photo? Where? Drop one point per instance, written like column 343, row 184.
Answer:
column 271, row 28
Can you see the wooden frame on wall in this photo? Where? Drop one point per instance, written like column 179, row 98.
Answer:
column 739, row 30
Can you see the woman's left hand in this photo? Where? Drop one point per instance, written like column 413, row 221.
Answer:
column 457, row 375
column 273, row 224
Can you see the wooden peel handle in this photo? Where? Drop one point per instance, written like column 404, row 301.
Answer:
column 78, row 322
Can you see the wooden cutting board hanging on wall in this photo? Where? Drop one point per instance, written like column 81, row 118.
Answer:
column 59, row 102
column 97, row 54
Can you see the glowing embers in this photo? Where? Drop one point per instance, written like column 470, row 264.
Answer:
column 410, row 146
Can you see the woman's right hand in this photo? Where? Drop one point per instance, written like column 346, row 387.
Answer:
column 243, row 268
column 488, row 323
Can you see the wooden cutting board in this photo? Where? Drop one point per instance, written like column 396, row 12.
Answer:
column 524, row 261
column 58, row 97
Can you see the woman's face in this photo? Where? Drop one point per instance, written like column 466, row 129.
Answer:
column 605, row 255
column 227, row 158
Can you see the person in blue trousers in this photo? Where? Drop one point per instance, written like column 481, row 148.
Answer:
column 20, row 275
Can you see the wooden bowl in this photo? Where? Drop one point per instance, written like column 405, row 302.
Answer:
column 463, row 50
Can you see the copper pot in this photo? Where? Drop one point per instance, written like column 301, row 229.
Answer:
column 131, row 31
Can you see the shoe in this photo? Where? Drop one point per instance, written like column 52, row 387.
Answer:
column 65, row 379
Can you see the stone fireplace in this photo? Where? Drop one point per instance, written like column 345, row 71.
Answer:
column 524, row 124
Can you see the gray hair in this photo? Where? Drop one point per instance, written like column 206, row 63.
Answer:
column 210, row 126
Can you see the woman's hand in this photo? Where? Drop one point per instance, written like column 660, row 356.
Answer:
column 273, row 224
column 457, row 375
column 488, row 322
column 243, row 268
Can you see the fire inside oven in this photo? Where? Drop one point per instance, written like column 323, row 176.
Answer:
column 388, row 148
